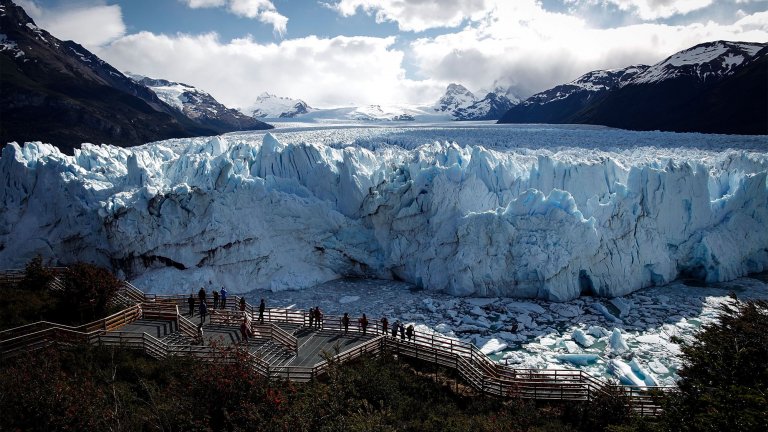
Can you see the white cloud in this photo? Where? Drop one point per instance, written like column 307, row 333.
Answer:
column 262, row 10
column 324, row 72
column 415, row 15
column 87, row 24
column 520, row 44
column 653, row 9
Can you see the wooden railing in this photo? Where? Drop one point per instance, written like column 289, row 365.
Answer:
column 475, row 367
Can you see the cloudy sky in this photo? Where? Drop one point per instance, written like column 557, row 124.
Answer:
column 341, row 52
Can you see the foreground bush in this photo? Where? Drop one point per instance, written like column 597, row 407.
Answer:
column 724, row 380
column 104, row 389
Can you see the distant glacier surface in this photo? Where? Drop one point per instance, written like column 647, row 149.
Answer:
column 549, row 212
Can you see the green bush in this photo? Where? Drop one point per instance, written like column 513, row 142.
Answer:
column 724, row 378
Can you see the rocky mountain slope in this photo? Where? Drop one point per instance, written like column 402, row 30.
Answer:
column 716, row 87
column 59, row 92
column 198, row 105
column 462, row 104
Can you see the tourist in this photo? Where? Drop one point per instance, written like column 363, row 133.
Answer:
column 242, row 304
column 318, row 317
column 409, row 332
column 262, row 306
column 191, row 302
column 394, row 328
column 363, row 324
column 384, row 325
column 345, row 322
column 215, row 299
column 311, row 317
column 402, row 331
column 223, row 298
column 244, row 330
column 201, row 294
column 203, row 311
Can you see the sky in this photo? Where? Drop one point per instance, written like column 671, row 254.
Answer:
column 333, row 53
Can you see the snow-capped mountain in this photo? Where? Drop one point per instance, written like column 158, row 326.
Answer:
column 270, row 106
column 456, row 97
column 557, row 104
column 716, row 87
column 198, row 105
column 462, row 104
column 707, row 62
column 59, row 92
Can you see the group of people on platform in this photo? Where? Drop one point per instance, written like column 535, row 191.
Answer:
column 315, row 317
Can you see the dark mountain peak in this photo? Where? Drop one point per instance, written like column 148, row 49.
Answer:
column 714, row 87
column 61, row 93
column 456, row 97
column 704, row 62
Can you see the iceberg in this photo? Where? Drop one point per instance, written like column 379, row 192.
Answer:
column 293, row 209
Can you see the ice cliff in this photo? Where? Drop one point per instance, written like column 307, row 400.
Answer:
column 250, row 211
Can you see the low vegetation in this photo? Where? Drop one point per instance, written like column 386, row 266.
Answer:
column 724, row 383
column 83, row 294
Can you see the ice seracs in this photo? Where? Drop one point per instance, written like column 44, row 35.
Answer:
column 279, row 212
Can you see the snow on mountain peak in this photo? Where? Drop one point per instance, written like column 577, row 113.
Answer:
column 269, row 105
column 456, row 97
column 704, row 61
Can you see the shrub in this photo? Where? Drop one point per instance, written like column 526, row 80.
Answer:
column 724, row 378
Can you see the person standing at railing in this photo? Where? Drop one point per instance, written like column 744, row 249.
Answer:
column 244, row 329
column 262, row 306
column 201, row 294
column 402, row 331
column 191, row 302
column 215, row 299
column 242, row 304
column 223, row 298
column 318, row 317
column 409, row 332
column 394, row 328
column 203, row 311
column 384, row 325
column 345, row 322
column 363, row 323
column 311, row 317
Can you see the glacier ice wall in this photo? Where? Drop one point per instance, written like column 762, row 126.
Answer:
column 250, row 211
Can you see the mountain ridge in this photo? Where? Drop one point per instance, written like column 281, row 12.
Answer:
column 704, row 88
column 59, row 92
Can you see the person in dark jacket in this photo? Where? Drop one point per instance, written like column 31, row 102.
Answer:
column 201, row 294
column 262, row 307
column 402, row 331
column 394, row 328
column 364, row 323
column 223, row 298
column 384, row 325
column 203, row 311
column 318, row 317
column 311, row 317
column 242, row 304
column 345, row 322
column 215, row 299
column 191, row 302
column 409, row 332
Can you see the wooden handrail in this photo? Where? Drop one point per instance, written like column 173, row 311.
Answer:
column 474, row 366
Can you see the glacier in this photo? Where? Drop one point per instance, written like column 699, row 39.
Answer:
column 469, row 211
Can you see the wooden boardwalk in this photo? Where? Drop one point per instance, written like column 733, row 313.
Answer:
column 283, row 346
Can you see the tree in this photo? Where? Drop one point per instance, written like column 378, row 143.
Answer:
column 88, row 289
column 724, row 378
column 36, row 276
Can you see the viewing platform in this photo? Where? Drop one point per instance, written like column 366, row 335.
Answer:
column 284, row 346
